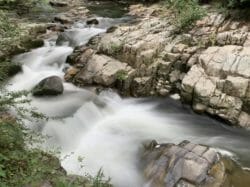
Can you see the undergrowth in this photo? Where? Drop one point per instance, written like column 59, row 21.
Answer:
column 186, row 12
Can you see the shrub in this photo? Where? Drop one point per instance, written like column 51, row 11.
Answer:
column 186, row 12
column 121, row 75
column 25, row 3
column 237, row 3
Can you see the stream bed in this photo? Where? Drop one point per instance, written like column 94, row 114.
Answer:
column 107, row 131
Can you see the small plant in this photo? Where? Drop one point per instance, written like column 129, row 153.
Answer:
column 98, row 180
column 115, row 48
column 121, row 75
column 7, row 27
column 212, row 39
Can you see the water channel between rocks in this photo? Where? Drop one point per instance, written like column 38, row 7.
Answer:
column 107, row 130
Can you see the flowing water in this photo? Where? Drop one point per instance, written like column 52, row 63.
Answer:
column 107, row 130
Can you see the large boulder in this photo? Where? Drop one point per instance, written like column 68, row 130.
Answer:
column 188, row 165
column 49, row 86
column 101, row 70
column 67, row 38
column 98, row 69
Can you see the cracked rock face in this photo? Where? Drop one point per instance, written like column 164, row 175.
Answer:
column 185, row 165
column 220, row 83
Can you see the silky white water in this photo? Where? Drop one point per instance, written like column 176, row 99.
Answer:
column 106, row 130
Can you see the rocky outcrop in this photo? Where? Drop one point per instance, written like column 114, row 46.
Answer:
column 132, row 50
column 49, row 86
column 187, row 164
column 98, row 69
column 219, row 83
column 208, row 65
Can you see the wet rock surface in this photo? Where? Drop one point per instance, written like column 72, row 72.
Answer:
column 49, row 86
column 187, row 164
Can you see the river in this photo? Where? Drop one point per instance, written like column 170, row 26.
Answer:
column 107, row 130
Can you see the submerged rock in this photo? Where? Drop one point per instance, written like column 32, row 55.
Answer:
column 65, row 38
column 92, row 22
column 188, row 164
column 58, row 4
column 32, row 44
column 49, row 86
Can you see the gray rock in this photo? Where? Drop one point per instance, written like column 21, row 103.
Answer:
column 219, row 83
column 102, row 70
column 92, row 22
column 236, row 86
column 62, row 19
column 67, row 38
column 141, row 86
column 175, row 165
column 58, row 4
column 163, row 92
column 49, row 86
column 231, row 38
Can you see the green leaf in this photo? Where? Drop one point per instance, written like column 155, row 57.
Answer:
column 2, row 172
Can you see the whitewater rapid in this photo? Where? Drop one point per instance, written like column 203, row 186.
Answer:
column 106, row 130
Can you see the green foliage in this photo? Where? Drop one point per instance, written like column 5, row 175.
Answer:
column 9, row 32
column 7, row 28
column 11, row 39
column 121, row 75
column 16, row 3
column 19, row 166
column 98, row 180
column 116, row 48
column 186, row 12
column 16, row 101
column 235, row 3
